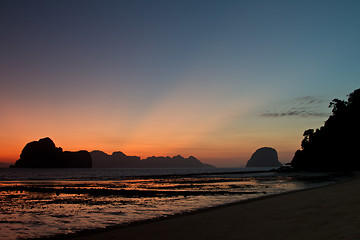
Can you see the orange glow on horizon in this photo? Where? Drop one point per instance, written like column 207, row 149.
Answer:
column 226, row 154
column 216, row 128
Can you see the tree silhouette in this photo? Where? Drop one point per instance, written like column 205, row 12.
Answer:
column 333, row 147
column 308, row 134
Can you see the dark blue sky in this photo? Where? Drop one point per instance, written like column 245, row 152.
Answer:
column 207, row 76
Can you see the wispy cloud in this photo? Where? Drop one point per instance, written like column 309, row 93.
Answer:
column 308, row 106
column 297, row 113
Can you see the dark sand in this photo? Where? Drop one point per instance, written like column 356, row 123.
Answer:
column 331, row 212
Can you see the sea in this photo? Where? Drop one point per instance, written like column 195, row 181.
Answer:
column 40, row 203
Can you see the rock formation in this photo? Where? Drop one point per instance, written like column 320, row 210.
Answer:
column 79, row 159
column 120, row 160
column 173, row 162
column 44, row 154
column 264, row 157
column 115, row 160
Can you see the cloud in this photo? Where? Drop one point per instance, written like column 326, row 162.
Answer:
column 308, row 106
column 308, row 100
column 300, row 113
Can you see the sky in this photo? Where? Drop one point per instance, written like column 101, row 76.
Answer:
column 212, row 79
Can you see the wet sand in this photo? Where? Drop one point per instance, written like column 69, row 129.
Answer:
column 331, row 212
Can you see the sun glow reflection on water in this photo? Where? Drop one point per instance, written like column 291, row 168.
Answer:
column 30, row 209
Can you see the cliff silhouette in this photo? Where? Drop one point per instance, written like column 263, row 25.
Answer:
column 333, row 147
column 264, row 157
column 120, row 160
column 44, row 154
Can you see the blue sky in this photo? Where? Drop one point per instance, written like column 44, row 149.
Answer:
column 214, row 79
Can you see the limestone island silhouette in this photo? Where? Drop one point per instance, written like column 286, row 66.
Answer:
column 44, row 154
column 120, row 160
column 264, row 157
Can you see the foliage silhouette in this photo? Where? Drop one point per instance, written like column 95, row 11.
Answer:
column 333, row 147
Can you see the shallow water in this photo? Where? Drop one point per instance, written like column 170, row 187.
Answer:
column 67, row 201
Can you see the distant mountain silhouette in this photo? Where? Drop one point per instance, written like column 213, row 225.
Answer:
column 264, row 157
column 333, row 147
column 44, row 154
column 120, row 160
column 173, row 162
column 116, row 160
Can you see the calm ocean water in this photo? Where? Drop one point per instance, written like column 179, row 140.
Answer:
column 47, row 202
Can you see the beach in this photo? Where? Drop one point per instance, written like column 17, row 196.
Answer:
column 330, row 212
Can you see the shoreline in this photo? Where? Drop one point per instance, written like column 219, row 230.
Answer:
column 182, row 173
column 158, row 226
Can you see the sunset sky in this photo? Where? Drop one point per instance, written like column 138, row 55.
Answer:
column 212, row 79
